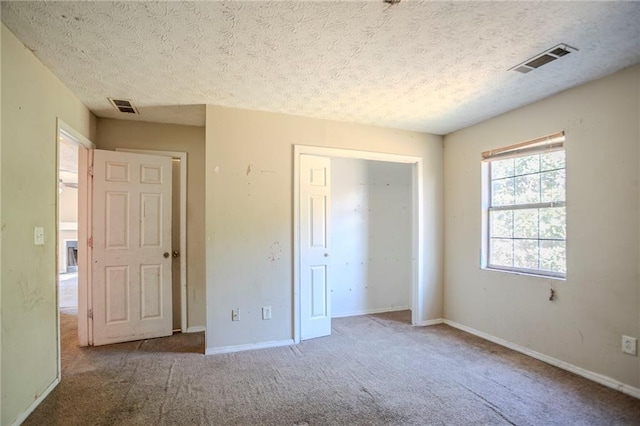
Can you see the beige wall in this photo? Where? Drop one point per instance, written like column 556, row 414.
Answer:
column 114, row 134
column 32, row 98
column 371, row 236
column 599, row 301
column 249, row 214
column 68, row 205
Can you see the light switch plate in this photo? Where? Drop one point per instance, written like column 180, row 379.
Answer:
column 266, row 313
column 38, row 236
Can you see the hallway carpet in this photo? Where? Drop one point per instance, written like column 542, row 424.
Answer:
column 68, row 290
column 373, row 370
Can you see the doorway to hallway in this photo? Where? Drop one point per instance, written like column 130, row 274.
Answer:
column 68, row 162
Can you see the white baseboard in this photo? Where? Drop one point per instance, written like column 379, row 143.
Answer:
column 22, row 417
column 371, row 311
column 596, row 377
column 430, row 322
column 251, row 346
column 196, row 329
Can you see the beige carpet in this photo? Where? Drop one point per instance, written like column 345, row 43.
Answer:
column 373, row 370
column 68, row 290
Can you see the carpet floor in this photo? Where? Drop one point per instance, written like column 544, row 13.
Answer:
column 372, row 370
column 68, row 290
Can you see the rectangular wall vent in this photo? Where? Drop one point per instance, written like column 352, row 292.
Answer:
column 123, row 105
column 550, row 55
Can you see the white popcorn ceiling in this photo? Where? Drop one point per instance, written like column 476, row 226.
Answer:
column 428, row 66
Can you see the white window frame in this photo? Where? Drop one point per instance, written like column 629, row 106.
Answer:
column 539, row 145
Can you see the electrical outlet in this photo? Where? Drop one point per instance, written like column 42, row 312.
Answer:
column 266, row 312
column 629, row 345
column 235, row 314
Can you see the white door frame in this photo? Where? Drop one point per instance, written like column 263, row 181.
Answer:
column 84, row 227
column 417, row 281
column 182, row 156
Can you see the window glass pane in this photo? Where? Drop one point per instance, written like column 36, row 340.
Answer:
column 553, row 186
column 531, row 238
column 552, row 160
column 527, row 164
column 553, row 223
column 525, row 254
column 525, row 223
column 502, row 192
column 527, row 189
column 501, row 225
column 501, row 168
column 553, row 256
column 501, row 252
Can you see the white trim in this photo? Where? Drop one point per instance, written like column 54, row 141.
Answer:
column 85, row 222
column 248, row 347
column 196, row 329
column 22, row 417
column 358, row 155
column 417, row 291
column 72, row 133
column 182, row 156
column 371, row 311
column 427, row 323
column 417, row 285
column 596, row 377
column 295, row 225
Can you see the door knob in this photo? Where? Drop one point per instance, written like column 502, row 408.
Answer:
column 176, row 253
column 326, row 255
column 166, row 254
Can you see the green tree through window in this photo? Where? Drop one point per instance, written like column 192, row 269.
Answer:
column 526, row 213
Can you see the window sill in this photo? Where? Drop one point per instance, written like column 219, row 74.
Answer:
column 527, row 274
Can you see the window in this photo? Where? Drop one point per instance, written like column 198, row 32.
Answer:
column 524, row 207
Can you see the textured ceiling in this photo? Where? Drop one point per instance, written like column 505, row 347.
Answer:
column 428, row 66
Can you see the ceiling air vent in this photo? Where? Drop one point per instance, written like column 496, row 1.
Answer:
column 123, row 105
column 556, row 52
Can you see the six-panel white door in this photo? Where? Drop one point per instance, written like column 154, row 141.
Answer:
column 315, row 205
column 131, row 256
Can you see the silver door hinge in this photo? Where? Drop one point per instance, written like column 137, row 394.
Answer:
column 91, row 171
column 90, row 314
